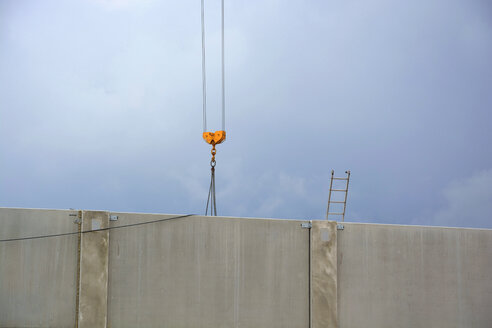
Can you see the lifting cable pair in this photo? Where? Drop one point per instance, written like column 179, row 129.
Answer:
column 217, row 137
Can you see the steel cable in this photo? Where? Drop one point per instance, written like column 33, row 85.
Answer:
column 204, row 73
column 204, row 77
column 96, row 230
column 211, row 200
column 223, row 71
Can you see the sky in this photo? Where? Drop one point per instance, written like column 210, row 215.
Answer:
column 101, row 107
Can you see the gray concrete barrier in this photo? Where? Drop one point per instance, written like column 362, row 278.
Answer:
column 152, row 270
column 37, row 276
column 410, row 276
column 208, row 272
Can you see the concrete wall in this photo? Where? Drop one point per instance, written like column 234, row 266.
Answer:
column 404, row 276
column 323, row 274
column 37, row 277
column 236, row 272
column 93, row 280
column 208, row 272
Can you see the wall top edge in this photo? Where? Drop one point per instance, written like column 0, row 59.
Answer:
column 411, row 226
column 156, row 214
column 256, row 218
column 39, row 209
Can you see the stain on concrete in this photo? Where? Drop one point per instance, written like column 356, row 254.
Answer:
column 324, row 274
column 94, row 258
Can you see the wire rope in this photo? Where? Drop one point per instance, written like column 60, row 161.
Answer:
column 204, row 70
column 211, row 199
column 204, row 76
column 223, row 71
column 96, row 230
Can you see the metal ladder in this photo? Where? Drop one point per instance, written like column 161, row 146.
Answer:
column 344, row 202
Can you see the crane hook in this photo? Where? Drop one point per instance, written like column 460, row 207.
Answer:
column 213, row 138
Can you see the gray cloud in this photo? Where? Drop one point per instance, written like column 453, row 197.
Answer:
column 467, row 203
column 100, row 106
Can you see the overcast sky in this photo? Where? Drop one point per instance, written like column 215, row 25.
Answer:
column 100, row 107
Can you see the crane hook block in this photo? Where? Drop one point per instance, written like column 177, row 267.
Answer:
column 214, row 138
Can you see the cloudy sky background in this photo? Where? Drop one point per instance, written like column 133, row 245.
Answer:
column 100, row 107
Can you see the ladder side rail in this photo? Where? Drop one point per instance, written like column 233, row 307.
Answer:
column 329, row 195
column 346, row 193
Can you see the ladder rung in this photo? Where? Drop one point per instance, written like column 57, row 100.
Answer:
column 335, row 213
column 337, row 202
column 340, row 179
column 345, row 190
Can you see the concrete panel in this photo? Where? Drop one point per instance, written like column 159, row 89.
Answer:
column 324, row 274
column 208, row 272
column 93, row 299
column 404, row 276
column 37, row 277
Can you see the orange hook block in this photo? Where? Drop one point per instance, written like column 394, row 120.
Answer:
column 214, row 138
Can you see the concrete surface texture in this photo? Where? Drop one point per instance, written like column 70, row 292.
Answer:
column 404, row 276
column 324, row 274
column 209, row 272
column 94, row 258
column 237, row 272
column 37, row 277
